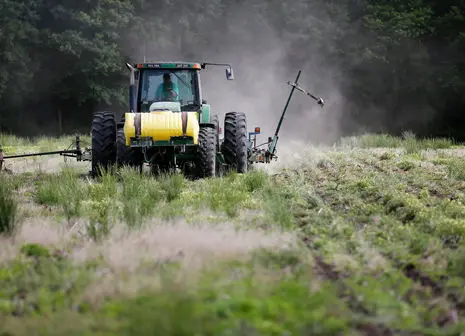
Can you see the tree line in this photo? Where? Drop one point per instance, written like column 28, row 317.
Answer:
column 398, row 64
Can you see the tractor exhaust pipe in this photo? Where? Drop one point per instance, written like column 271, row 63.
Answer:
column 132, row 81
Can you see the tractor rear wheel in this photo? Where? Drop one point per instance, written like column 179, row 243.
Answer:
column 207, row 152
column 103, row 142
column 125, row 155
column 235, row 141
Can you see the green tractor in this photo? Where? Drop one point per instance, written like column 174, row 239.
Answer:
column 170, row 126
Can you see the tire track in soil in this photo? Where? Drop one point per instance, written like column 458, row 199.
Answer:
column 328, row 271
column 410, row 271
column 452, row 316
column 414, row 274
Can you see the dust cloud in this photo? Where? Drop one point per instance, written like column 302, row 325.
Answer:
column 195, row 245
column 260, row 59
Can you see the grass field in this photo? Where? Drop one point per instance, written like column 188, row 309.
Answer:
column 362, row 238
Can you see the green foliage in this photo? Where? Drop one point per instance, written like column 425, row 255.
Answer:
column 172, row 185
column 141, row 196
column 64, row 190
column 227, row 194
column 409, row 142
column 8, row 209
column 246, row 305
column 255, row 180
column 456, row 168
column 41, row 284
column 35, row 250
column 399, row 63
column 382, row 246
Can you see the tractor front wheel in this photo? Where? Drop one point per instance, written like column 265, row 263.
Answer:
column 125, row 155
column 103, row 142
column 207, row 152
column 235, row 141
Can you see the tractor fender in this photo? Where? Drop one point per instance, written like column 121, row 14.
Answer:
column 210, row 125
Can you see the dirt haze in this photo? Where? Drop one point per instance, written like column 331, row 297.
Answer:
column 260, row 60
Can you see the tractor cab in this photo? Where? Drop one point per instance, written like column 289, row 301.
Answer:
column 166, row 86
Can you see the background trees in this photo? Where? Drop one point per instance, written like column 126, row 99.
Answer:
column 381, row 65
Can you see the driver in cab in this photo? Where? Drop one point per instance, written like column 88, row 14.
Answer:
column 167, row 91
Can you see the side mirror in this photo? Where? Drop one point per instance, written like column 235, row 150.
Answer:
column 204, row 101
column 229, row 74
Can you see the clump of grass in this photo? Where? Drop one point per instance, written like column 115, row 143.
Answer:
column 64, row 190
column 8, row 210
column 227, row 194
column 172, row 184
column 438, row 143
column 141, row 195
column 456, row 168
column 412, row 144
column 371, row 141
column 48, row 191
column 35, row 250
column 102, row 204
column 72, row 193
column 278, row 259
column 386, row 156
column 99, row 219
column 408, row 141
column 42, row 283
column 278, row 206
column 406, row 165
column 255, row 180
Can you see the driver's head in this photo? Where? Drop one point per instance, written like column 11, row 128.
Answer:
column 166, row 78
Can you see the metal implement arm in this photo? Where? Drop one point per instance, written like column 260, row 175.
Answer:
column 272, row 146
column 262, row 155
column 319, row 100
column 72, row 151
column 76, row 153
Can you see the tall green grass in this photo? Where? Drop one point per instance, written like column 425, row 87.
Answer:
column 363, row 217
column 132, row 198
column 8, row 208
column 408, row 141
column 65, row 190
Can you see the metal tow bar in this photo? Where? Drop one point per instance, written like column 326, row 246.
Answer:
column 75, row 153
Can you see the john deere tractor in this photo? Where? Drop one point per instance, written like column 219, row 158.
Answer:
column 169, row 125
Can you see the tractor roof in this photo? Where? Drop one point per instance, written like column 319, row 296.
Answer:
column 168, row 65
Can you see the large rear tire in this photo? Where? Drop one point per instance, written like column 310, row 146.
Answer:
column 207, row 152
column 103, row 142
column 125, row 155
column 235, row 141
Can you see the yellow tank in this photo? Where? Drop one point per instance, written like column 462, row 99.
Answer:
column 161, row 125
